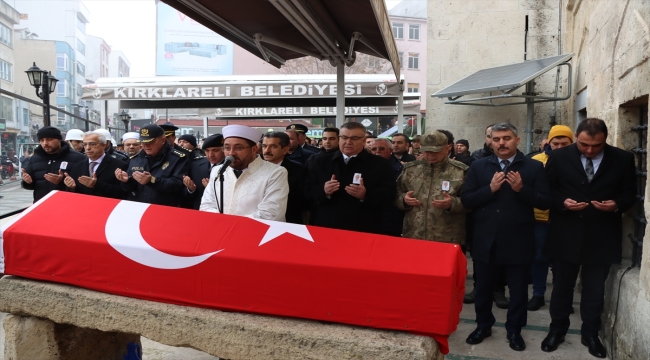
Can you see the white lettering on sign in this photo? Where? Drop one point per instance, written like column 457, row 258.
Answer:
column 118, row 93
column 140, row 93
column 193, row 92
column 179, row 93
column 320, row 89
column 153, row 92
column 299, row 90
column 206, row 92
column 285, row 90
column 164, row 93
column 246, row 91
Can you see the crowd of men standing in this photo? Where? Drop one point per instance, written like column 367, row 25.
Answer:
column 517, row 214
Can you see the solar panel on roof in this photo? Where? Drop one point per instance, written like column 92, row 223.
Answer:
column 504, row 78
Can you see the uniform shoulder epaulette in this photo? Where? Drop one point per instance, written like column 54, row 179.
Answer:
column 199, row 157
column 412, row 163
column 458, row 164
column 179, row 153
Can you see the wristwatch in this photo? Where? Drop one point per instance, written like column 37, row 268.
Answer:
column 153, row 179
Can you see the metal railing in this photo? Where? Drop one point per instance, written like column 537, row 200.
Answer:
column 52, row 107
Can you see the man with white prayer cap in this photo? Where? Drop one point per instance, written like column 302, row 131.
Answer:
column 252, row 187
column 131, row 141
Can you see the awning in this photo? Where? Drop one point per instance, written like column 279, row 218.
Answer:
column 279, row 30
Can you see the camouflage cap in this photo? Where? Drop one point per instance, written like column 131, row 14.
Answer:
column 434, row 141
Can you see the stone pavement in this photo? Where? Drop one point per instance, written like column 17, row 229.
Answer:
column 496, row 347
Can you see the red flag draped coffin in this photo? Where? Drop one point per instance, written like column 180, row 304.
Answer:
column 236, row 263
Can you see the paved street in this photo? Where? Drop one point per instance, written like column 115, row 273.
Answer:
column 13, row 197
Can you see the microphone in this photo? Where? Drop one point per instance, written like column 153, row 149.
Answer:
column 226, row 162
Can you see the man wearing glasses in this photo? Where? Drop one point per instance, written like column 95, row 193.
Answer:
column 350, row 186
column 131, row 142
column 252, row 187
column 155, row 174
column 96, row 176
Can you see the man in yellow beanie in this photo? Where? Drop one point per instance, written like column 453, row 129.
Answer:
column 558, row 137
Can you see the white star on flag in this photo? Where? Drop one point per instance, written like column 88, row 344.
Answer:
column 277, row 228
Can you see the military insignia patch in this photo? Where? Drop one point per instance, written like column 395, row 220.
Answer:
column 144, row 132
column 165, row 165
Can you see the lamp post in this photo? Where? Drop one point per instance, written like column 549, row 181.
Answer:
column 47, row 83
column 125, row 117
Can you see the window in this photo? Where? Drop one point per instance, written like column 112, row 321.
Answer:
column 81, row 47
column 398, row 31
column 80, row 90
column 7, row 108
column 62, row 61
column 62, row 88
column 6, row 71
column 6, row 35
column 414, row 61
column 374, row 62
column 414, row 32
column 81, row 25
column 413, row 88
column 81, row 69
column 61, row 116
column 26, row 117
column 401, row 60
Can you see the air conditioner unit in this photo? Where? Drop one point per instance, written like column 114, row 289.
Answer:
column 60, row 122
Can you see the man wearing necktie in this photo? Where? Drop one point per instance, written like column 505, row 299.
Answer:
column 502, row 190
column 96, row 175
column 592, row 185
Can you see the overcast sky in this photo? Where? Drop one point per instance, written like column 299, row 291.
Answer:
column 130, row 26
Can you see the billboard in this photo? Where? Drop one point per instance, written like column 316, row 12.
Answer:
column 186, row 48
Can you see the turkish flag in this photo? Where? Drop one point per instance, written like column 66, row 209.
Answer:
column 240, row 264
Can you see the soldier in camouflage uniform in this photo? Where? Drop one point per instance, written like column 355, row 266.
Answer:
column 429, row 191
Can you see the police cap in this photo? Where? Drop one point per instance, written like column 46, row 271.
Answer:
column 150, row 132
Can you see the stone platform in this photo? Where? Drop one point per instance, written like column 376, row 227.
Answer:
column 61, row 322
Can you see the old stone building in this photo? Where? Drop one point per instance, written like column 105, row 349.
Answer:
column 610, row 40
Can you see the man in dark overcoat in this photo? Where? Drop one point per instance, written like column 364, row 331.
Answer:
column 502, row 189
column 592, row 184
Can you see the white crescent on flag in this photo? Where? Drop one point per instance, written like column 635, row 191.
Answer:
column 123, row 234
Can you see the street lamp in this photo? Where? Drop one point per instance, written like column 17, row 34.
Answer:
column 47, row 83
column 125, row 117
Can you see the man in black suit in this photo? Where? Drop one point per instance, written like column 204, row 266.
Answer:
column 200, row 168
column 502, row 191
column 592, row 184
column 350, row 186
column 275, row 146
column 96, row 176
column 297, row 153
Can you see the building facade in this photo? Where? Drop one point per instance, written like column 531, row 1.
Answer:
column 610, row 43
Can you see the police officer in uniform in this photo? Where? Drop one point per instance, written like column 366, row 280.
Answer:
column 155, row 174
column 200, row 169
column 170, row 135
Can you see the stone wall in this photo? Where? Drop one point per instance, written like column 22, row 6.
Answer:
column 465, row 36
column 611, row 43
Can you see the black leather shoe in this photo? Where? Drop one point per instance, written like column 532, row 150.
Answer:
column 596, row 348
column 516, row 342
column 500, row 300
column 477, row 336
column 535, row 303
column 552, row 341
column 469, row 298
